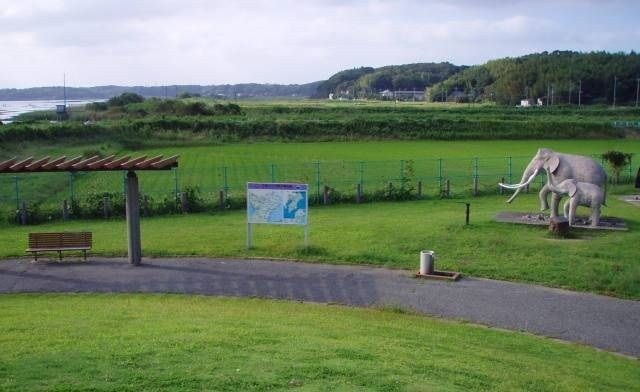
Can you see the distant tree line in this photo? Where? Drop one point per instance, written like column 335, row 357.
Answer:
column 368, row 82
column 559, row 77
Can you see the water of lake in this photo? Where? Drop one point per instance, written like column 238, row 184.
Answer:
column 10, row 109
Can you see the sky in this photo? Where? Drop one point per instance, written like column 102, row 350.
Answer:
column 166, row 42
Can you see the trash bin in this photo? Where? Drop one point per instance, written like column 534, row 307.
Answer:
column 427, row 258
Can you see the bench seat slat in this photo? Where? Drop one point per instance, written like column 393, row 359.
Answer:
column 57, row 248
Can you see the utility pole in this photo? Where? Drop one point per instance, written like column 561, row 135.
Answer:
column 637, row 90
column 580, row 93
column 615, row 81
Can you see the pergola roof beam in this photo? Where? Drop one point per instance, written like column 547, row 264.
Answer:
column 54, row 163
column 65, row 165
column 37, row 164
column 82, row 164
column 8, row 163
column 101, row 162
column 20, row 165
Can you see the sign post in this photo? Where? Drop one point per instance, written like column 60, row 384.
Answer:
column 277, row 204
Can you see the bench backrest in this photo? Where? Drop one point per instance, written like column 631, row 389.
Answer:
column 61, row 240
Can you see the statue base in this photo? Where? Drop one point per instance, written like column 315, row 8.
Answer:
column 540, row 219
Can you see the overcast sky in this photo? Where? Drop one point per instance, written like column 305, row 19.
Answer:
column 158, row 42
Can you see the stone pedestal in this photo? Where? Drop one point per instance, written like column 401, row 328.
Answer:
column 559, row 226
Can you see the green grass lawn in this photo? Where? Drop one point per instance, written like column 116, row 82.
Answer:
column 177, row 343
column 392, row 235
column 340, row 167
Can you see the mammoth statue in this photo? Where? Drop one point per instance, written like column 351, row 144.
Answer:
column 580, row 194
column 559, row 167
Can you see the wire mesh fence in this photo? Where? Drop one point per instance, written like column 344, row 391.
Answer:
column 431, row 177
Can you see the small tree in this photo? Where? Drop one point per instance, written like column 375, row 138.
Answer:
column 618, row 160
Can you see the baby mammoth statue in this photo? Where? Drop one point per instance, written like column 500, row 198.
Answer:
column 580, row 194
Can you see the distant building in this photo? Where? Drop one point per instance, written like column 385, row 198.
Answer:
column 409, row 95
column 525, row 103
column 388, row 94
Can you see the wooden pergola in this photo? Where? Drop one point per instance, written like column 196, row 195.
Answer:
column 96, row 163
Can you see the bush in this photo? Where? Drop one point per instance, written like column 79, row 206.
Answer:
column 125, row 99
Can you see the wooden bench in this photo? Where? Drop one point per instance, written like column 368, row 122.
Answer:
column 50, row 242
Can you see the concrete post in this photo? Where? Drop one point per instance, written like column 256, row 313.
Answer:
column 183, row 202
column 23, row 213
column 420, row 189
column 105, row 207
column 65, row 210
column 133, row 219
column 221, row 200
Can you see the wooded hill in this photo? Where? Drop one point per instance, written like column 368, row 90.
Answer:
column 369, row 82
column 555, row 77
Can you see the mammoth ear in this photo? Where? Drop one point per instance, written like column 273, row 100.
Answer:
column 553, row 163
column 571, row 185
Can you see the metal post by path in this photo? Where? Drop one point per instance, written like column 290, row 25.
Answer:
column 133, row 220
column 467, row 213
column 17, row 183
column 318, row 182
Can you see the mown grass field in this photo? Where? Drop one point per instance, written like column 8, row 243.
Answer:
column 392, row 235
column 179, row 343
column 342, row 165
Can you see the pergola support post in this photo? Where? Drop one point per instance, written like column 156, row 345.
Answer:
column 133, row 219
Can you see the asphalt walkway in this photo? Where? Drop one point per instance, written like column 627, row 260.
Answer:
column 600, row 321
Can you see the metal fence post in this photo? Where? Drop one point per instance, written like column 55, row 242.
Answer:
column 440, row 174
column 72, row 191
column 176, row 184
column 475, row 176
column 273, row 172
column 318, row 182
column 630, row 171
column 401, row 174
column 226, row 182
column 17, row 181
column 362, row 176
column 510, row 170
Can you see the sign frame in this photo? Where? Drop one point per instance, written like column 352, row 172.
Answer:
column 283, row 186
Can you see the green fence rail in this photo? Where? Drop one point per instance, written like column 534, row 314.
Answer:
column 433, row 176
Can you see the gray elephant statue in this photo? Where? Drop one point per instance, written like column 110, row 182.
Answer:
column 560, row 167
column 580, row 194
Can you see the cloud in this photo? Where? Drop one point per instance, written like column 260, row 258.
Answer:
column 286, row 41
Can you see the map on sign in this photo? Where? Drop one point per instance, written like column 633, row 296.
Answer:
column 278, row 204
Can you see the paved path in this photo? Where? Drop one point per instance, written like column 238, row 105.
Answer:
column 604, row 322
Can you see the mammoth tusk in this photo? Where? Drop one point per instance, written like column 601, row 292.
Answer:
column 522, row 184
column 510, row 186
